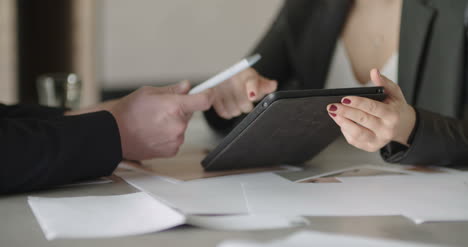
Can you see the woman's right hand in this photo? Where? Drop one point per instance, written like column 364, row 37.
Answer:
column 237, row 95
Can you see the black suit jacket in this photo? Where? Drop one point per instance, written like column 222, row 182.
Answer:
column 40, row 148
column 298, row 48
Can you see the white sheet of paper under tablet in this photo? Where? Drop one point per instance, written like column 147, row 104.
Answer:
column 102, row 216
column 309, row 238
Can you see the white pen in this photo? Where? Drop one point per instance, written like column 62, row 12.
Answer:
column 228, row 73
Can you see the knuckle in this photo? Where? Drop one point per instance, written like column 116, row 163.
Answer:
column 174, row 109
column 371, row 106
column 393, row 119
column 363, row 118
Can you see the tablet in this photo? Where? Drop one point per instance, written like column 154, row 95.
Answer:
column 285, row 128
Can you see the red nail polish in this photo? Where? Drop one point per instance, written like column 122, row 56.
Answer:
column 333, row 114
column 346, row 101
column 252, row 94
column 333, row 108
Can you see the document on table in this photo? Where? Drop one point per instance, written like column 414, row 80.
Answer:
column 336, row 199
column 221, row 195
column 132, row 214
column 102, row 216
column 193, row 199
column 422, row 198
column 309, row 238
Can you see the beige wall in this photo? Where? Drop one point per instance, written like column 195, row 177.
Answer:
column 7, row 52
column 166, row 40
column 84, row 49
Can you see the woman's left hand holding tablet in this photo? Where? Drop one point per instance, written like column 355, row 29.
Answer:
column 370, row 125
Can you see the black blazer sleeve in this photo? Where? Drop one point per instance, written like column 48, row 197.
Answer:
column 275, row 64
column 30, row 111
column 51, row 150
column 438, row 140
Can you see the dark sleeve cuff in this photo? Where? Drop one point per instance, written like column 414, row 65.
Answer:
column 438, row 140
column 395, row 151
column 30, row 111
column 39, row 154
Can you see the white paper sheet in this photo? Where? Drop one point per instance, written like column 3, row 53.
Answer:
column 220, row 195
column 309, row 238
column 317, row 200
column 246, row 222
column 422, row 198
column 102, row 216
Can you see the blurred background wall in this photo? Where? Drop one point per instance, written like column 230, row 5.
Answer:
column 159, row 42
column 8, row 55
column 116, row 46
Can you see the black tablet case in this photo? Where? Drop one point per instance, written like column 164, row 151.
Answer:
column 286, row 127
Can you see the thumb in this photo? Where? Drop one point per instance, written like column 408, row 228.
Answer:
column 180, row 88
column 197, row 102
column 391, row 88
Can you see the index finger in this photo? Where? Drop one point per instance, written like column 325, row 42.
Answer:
column 367, row 105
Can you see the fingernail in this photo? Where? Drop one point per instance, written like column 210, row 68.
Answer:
column 252, row 95
column 346, row 101
column 332, row 114
column 333, row 108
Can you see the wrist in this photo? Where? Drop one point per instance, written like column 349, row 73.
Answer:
column 408, row 124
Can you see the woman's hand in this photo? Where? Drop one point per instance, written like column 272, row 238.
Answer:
column 237, row 95
column 368, row 124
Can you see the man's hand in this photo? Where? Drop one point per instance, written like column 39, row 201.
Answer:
column 152, row 121
column 236, row 96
